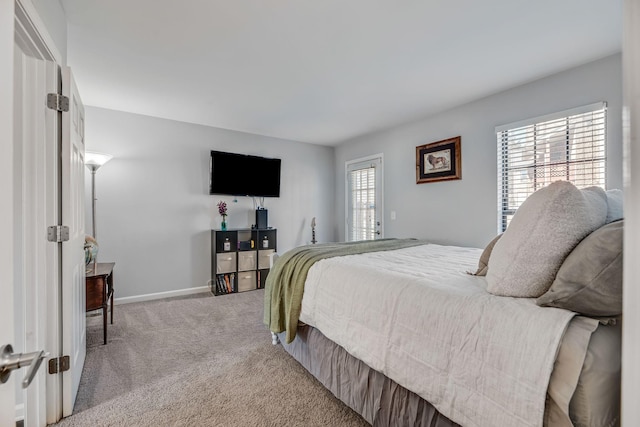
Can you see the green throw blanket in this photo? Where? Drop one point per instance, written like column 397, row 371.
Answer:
column 285, row 283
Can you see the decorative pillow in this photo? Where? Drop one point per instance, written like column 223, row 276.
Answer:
column 483, row 264
column 542, row 232
column 614, row 205
column 589, row 281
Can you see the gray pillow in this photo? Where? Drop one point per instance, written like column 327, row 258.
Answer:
column 589, row 281
column 483, row 263
column 543, row 231
column 614, row 203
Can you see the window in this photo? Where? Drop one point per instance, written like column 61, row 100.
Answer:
column 569, row 146
column 364, row 199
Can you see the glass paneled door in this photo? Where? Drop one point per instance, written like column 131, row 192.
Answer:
column 364, row 199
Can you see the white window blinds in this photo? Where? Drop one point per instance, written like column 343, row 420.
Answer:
column 362, row 185
column 569, row 146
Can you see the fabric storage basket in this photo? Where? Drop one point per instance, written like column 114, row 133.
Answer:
column 225, row 263
column 246, row 281
column 264, row 259
column 247, row 260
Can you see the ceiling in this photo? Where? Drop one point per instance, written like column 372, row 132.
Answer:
column 323, row 71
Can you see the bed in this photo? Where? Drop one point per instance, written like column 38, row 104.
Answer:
column 408, row 332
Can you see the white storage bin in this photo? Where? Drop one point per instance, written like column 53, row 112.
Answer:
column 247, row 260
column 225, row 263
column 246, row 281
column 264, row 259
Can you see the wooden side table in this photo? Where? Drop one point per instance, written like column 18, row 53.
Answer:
column 99, row 283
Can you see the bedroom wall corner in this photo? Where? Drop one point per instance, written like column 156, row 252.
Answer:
column 154, row 211
column 464, row 212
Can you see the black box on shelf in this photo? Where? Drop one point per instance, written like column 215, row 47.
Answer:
column 261, row 219
column 245, row 245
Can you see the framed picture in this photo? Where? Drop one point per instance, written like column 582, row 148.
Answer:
column 439, row 161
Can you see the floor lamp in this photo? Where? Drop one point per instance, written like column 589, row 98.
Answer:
column 93, row 161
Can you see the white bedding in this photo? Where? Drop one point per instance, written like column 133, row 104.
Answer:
column 416, row 316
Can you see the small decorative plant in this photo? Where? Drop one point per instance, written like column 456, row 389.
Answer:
column 222, row 210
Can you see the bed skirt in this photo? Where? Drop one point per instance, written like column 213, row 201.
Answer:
column 379, row 400
column 382, row 402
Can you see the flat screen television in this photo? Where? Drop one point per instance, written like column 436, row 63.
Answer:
column 244, row 175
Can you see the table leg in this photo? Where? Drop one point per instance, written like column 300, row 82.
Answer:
column 112, row 292
column 104, row 322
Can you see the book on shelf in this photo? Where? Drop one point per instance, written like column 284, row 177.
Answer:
column 225, row 284
column 226, row 279
column 222, row 286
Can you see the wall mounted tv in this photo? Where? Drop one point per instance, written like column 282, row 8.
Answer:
column 244, row 175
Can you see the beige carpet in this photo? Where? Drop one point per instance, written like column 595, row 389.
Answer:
column 197, row 361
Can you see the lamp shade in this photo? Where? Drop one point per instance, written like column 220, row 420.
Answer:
column 94, row 160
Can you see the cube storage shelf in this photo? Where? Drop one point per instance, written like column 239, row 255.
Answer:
column 241, row 259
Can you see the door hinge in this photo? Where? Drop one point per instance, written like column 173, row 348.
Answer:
column 58, row 233
column 58, row 102
column 58, row 364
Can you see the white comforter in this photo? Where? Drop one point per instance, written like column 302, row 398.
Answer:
column 415, row 315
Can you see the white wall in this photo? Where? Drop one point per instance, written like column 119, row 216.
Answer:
column 53, row 16
column 464, row 212
column 154, row 209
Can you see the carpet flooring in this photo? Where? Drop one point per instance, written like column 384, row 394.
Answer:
column 197, row 361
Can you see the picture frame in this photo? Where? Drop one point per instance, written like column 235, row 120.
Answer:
column 439, row 161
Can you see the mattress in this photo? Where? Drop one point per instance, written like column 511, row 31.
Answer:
column 328, row 304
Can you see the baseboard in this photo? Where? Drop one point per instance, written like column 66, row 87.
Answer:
column 160, row 295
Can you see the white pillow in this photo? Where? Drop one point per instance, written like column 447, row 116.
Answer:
column 614, row 203
column 542, row 232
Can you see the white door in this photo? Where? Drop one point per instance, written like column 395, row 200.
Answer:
column 74, row 339
column 29, row 264
column 7, row 389
column 631, row 267
column 36, row 207
column 364, row 199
